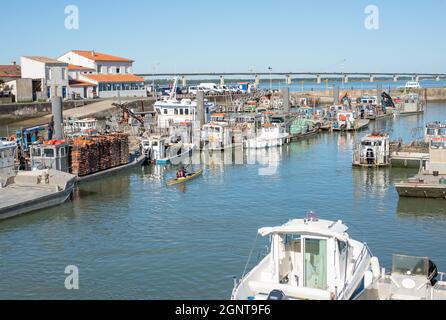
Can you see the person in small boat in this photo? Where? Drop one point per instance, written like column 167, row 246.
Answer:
column 181, row 173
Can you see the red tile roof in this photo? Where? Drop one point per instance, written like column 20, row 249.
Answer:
column 78, row 83
column 10, row 71
column 78, row 68
column 97, row 56
column 114, row 78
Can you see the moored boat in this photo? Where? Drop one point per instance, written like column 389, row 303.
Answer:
column 33, row 190
column 309, row 259
column 411, row 278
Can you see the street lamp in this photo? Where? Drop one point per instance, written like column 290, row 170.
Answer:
column 270, row 79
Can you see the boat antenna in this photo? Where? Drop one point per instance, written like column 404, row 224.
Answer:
column 250, row 255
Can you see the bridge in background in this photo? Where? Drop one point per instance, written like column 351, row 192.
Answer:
column 318, row 76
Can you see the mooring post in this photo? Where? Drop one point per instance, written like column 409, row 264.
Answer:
column 57, row 111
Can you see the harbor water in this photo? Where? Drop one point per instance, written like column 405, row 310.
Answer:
column 132, row 238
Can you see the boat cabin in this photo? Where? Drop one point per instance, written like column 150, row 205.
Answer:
column 84, row 127
column 373, row 150
column 437, row 160
column 172, row 111
column 344, row 121
column 411, row 103
column 216, row 136
column 434, row 129
column 8, row 151
column 52, row 154
column 154, row 147
column 309, row 259
column 181, row 132
column 368, row 100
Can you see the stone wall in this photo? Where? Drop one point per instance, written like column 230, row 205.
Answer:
column 21, row 111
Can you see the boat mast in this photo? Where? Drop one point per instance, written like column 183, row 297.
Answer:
column 173, row 92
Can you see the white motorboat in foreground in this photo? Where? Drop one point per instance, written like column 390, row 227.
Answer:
column 309, row 259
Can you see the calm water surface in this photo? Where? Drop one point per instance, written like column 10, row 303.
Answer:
column 133, row 238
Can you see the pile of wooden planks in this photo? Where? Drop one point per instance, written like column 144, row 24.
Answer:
column 93, row 154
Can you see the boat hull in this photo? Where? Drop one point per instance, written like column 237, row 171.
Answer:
column 139, row 161
column 176, row 159
column 44, row 202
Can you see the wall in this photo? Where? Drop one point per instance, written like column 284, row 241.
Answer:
column 123, row 94
column 432, row 94
column 22, row 90
column 76, row 90
column 32, row 69
column 19, row 111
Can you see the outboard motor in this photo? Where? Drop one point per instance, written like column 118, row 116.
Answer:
column 277, row 295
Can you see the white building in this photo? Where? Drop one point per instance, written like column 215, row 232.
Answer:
column 98, row 74
column 51, row 74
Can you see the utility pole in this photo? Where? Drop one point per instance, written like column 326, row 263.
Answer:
column 270, row 79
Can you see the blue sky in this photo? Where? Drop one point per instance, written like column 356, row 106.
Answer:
column 236, row 35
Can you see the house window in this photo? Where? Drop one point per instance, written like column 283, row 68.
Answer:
column 181, row 111
column 186, row 111
column 175, row 111
column 48, row 92
column 165, row 111
column 118, row 70
column 99, row 68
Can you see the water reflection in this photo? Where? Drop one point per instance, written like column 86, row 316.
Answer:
column 375, row 181
column 422, row 208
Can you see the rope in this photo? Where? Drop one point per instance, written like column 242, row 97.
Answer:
column 249, row 257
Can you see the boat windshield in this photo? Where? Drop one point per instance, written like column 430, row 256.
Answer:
column 406, row 265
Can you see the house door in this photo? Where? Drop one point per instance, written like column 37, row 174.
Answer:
column 85, row 93
column 315, row 263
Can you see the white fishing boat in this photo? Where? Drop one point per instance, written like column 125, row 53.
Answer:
column 269, row 136
column 410, row 104
column 217, row 135
column 161, row 151
column 309, row 259
column 171, row 110
column 411, row 278
column 372, row 151
column 412, row 85
column 347, row 121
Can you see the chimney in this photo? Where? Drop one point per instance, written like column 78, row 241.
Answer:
column 93, row 53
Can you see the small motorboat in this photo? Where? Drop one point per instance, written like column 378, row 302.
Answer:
column 188, row 177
